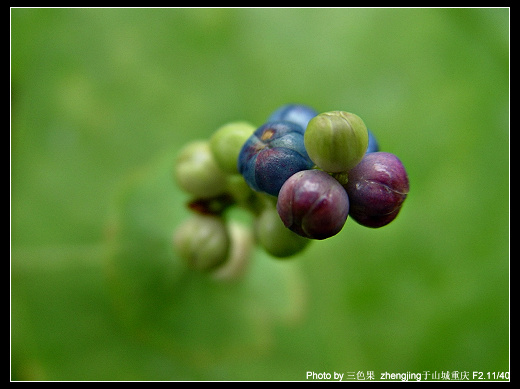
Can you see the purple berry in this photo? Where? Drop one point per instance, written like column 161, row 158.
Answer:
column 271, row 155
column 313, row 204
column 377, row 188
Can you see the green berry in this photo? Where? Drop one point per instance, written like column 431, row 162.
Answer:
column 239, row 253
column 197, row 172
column 275, row 238
column 202, row 241
column 336, row 141
column 226, row 142
column 237, row 187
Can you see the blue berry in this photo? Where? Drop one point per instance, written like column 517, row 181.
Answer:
column 271, row 155
column 377, row 188
column 296, row 113
column 313, row 204
column 373, row 146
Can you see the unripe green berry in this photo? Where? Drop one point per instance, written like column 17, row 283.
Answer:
column 226, row 142
column 336, row 141
column 237, row 187
column 197, row 172
column 239, row 253
column 202, row 241
column 275, row 238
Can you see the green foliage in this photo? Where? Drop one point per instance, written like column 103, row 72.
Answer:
column 103, row 100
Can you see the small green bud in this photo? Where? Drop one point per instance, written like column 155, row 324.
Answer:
column 237, row 188
column 336, row 141
column 226, row 142
column 275, row 238
column 197, row 173
column 202, row 241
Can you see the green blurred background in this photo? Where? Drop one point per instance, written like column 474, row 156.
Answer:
column 103, row 99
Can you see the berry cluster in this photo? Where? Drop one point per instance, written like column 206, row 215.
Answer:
column 300, row 174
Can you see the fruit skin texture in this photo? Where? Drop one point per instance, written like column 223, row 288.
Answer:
column 226, row 142
column 336, row 141
column 313, row 204
column 377, row 188
column 296, row 113
column 197, row 173
column 271, row 155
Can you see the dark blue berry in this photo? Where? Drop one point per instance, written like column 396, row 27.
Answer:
column 296, row 113
column 271, row 155
column 373, row 146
